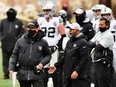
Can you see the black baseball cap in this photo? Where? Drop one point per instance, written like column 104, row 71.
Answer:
column 33, row 24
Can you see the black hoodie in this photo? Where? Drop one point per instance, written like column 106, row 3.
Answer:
column 11, row 29
column 11, row 14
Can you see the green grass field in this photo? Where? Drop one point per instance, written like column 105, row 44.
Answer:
column 5, row 83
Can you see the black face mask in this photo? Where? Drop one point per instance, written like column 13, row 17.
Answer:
column 102, row 29
column 31, row 33
column 11, row 16
column 80, row 19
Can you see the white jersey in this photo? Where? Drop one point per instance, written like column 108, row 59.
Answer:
column 50, row 29
column 105, row 39
column 65, row 40
column 95, row 24
column 113, row 29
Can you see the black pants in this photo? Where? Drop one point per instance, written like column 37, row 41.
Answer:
column 31, row 83
column 5, row 61
column 102, row 75
column 60, row 72
column 113, row 81
column 54, row 77
column 79, row 82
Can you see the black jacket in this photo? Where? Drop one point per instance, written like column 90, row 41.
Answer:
column 10, row 32
column 28, row 54
column 75, row 58
column 87, row 30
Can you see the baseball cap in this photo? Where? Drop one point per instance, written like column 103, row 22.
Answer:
column 33, row 24
column 74, row 26
column 79, row 11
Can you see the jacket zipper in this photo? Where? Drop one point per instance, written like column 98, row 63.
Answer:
column 29, row 57
column 10, row 27
column 28, row 75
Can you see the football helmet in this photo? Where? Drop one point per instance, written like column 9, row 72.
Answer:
column 62, row 12
column 79, row 11
column 99, row 7
column 48, row 6
column 107, row 10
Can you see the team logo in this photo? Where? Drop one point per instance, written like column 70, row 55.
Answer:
column 74, row 45
column 84, row 46
column 60, row 21
column 16, row 26
column 40, row 48
column 54, row 24
column 90, row 30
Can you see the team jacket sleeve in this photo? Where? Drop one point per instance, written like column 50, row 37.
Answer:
column 14, row 57
column 84, row 54
column 1, row 29
column 46, row 53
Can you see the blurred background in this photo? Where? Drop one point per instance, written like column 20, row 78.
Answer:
column 30, row 9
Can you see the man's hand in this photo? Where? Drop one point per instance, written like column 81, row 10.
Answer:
column 11, row 72
column 52, row 70
column 74, row 75
column 40, row 66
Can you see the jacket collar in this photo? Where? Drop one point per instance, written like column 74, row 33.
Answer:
column 39, row 36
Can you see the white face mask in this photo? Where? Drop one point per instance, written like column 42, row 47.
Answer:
column 108, row 18
column 46, row 15
column 97, row 16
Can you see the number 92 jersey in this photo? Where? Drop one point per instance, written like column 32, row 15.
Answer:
column 50, row 29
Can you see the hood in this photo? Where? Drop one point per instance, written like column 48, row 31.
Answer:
column 11, row 14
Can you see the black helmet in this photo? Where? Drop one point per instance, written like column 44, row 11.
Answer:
column 33, row 24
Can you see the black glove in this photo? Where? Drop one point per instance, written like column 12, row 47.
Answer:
column 36, row 70
column 53, row 48
column 60, row 43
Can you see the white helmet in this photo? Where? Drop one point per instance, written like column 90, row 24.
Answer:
column 79, row 11
column 49, row 6
column 98, row 7
column 62, row 12
column 90, row 14
column 107, row 10
column 93, row 8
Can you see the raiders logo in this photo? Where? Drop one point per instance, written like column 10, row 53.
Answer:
column 16, row 26
column 40, row 48
column 54, row 24
column 74, row 45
